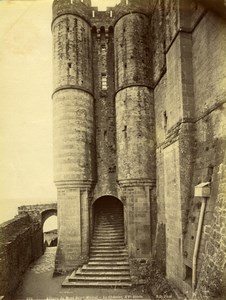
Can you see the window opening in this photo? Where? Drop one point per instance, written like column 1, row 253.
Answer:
column 104, row 82
column 69, row 68
column 103, row 48
column 125, row 131
column 93, row 13
column 165, row 120
column 210, row 173
column 105, row 135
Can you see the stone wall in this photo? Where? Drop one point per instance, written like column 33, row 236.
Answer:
column 189, row 96
column 212, row 279
column 103, row 59
column 21, row 242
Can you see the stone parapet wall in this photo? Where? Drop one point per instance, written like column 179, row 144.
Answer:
column 20, row 244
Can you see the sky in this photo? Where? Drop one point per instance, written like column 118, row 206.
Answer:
column 26, row 159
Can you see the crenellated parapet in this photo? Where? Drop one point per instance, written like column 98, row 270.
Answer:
column 126, row 7
column 74, row 7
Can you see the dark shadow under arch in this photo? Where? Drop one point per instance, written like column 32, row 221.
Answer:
column 105, row 205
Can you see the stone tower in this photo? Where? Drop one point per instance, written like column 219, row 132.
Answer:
column 74, row 136
column 103, row 116
column 134, row 122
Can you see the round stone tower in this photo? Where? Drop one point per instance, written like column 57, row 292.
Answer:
column 73, row 128
column 135, row 122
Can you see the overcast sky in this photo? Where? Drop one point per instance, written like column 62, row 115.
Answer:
column 26, row 175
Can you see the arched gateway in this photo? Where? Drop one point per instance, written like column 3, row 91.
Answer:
column 107, row 264
column 108, row 210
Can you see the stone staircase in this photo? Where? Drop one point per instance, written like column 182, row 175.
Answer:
column 108, row 263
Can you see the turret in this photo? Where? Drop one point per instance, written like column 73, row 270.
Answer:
column 135, row 120
column 80, row 8
column 73, row 128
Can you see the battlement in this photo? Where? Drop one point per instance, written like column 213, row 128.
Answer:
column 91, row 14
column 81, row 8
column 131, row 6
column 71, row 2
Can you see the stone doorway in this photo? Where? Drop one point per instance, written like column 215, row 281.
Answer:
column 108, row 263
column 108, row 209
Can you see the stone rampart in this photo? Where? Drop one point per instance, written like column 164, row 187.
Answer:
column 20, row 243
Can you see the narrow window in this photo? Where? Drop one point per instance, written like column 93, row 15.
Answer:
column 105, row 135
column 110, row 13
column 93, row 13
column 103, row 48
column 104, row 82
column 165, row 120
column 69, row 68
column 125, row 131
column 210, row 173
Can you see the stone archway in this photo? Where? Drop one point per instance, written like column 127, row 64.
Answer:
column 47, row 214
column 50, row 237
column 108, row 209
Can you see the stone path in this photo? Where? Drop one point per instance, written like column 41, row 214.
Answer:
column 39, row 283
column 45, row 263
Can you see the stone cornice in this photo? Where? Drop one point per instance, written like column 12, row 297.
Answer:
column 74, row 183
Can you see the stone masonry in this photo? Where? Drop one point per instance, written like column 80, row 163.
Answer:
column 139, row 115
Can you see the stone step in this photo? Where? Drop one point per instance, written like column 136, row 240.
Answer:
column 97, row 278
column 105, row 267
column 108, row 263
column 102, row 258
column 110, row 251
column 68, row 283
column 110, row 218
column 102, row 273
column 108, row 243
column 107, row 247
column 119, row 242
column 108, row 236
column 113, row 212
column 109, row 226
column 109, row 221
column 109, row 230
column 108, row 255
